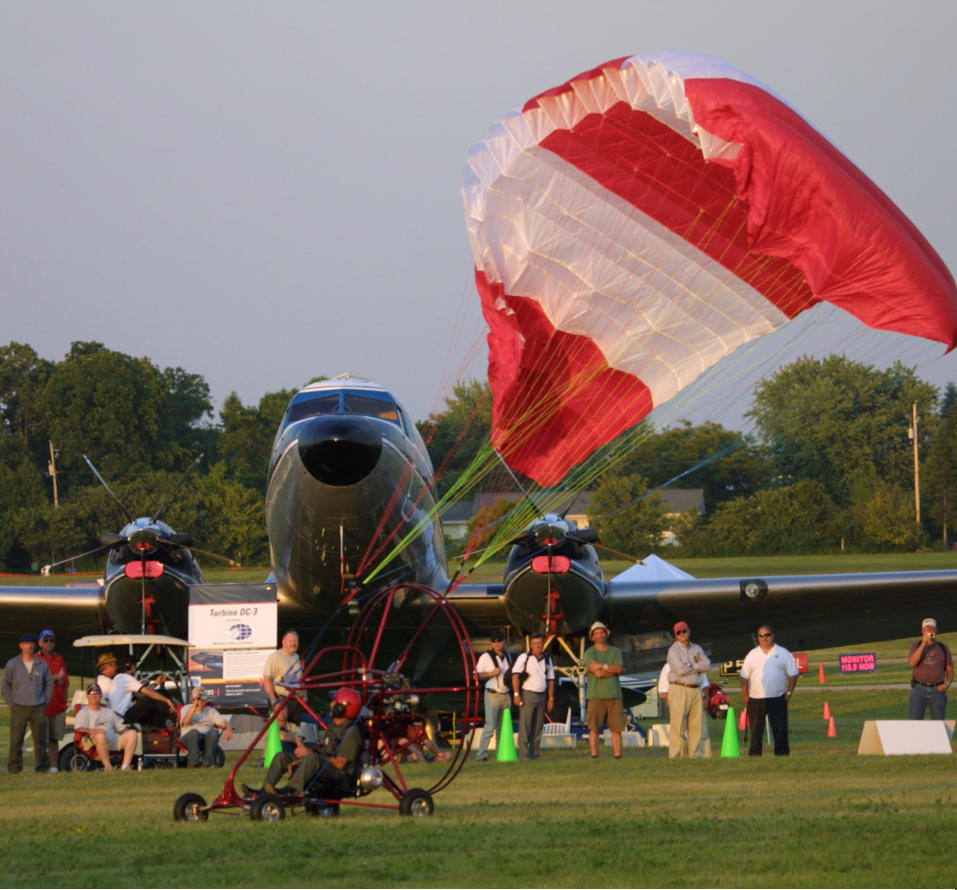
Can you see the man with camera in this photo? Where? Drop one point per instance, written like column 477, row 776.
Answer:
column 933, row 673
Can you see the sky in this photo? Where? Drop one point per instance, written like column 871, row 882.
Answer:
column 262, row 193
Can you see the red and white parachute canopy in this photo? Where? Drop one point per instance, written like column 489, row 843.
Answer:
column 635, row 225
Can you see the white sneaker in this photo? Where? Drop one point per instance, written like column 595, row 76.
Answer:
column 53, row 769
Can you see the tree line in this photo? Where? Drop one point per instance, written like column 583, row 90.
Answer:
column 830, row 463
column 829, row 466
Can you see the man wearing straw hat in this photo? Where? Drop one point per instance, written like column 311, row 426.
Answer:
column 603, row 689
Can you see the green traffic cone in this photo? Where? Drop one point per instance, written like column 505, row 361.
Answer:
column 729, row 744
column 505, row 752
column 273, row 743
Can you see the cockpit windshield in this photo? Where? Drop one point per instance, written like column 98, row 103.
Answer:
column 343, row 401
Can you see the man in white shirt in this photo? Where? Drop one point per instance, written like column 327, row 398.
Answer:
column 136, row 702
column 492, row 668
column 768, row 677
column 533, row 685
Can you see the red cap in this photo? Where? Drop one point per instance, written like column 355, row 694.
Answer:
column 681, row 625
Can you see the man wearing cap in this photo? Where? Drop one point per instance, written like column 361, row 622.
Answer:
column 56, row 710
column 768, row 676
column 27, row 689
column 493, row 669
column 686, row 663
column 603, row 689
column 106, row 667
column 201, row 726
column 664, row 687
column 105, row 729
column 933, row 673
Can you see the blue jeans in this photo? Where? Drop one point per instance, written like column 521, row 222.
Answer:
column 495, row 704
column 196, row 742
column 922, row 697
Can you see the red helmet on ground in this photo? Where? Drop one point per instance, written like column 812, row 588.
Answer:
column 347, row 703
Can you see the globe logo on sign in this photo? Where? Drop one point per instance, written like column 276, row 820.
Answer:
column 240, row 632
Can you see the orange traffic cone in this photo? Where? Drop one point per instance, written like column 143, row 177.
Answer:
column 743, row 720
column 821, row 676
column 831, row 729
column 827, row 711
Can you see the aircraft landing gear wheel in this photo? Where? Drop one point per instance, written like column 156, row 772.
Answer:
column 267, row 808
column 190, row 808
column 416, row 802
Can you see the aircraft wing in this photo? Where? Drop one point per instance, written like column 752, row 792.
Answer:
column 806, row 611
column 482, row 606
column 69, row 611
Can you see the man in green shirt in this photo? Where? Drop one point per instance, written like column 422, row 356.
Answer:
column 603, row 689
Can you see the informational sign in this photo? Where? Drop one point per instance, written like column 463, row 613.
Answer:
column 232, row 629
column 732, row 668
column 858, row 663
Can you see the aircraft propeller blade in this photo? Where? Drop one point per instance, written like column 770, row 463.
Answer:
column 110, row 491
column 230, row 562
column 179, row 485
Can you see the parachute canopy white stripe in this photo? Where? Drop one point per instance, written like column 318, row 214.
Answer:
column 638, row 223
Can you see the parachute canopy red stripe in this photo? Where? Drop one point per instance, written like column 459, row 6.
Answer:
column 638, row 223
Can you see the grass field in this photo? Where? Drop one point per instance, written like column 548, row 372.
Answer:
column 825, row 817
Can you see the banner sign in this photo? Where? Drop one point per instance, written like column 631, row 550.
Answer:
column 232, row 629
column 858, row 663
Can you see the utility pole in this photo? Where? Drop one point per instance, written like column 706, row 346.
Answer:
column 51, row 469
column 913, row 435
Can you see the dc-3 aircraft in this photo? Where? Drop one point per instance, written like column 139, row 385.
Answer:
column 350, row 510
column 350, row 482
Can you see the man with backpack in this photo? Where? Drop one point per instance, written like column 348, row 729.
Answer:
column 493, row 670
column 533, row 685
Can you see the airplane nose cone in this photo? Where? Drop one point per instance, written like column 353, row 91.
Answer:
column 339, row 450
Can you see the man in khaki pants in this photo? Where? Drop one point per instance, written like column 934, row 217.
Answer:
column 686, row 663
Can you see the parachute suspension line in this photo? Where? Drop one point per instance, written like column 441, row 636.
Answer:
column 465, row 331
column 480, row 467
column 380, row 539
column 518, row 484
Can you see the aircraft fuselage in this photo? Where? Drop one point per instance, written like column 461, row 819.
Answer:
column 348, row 497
